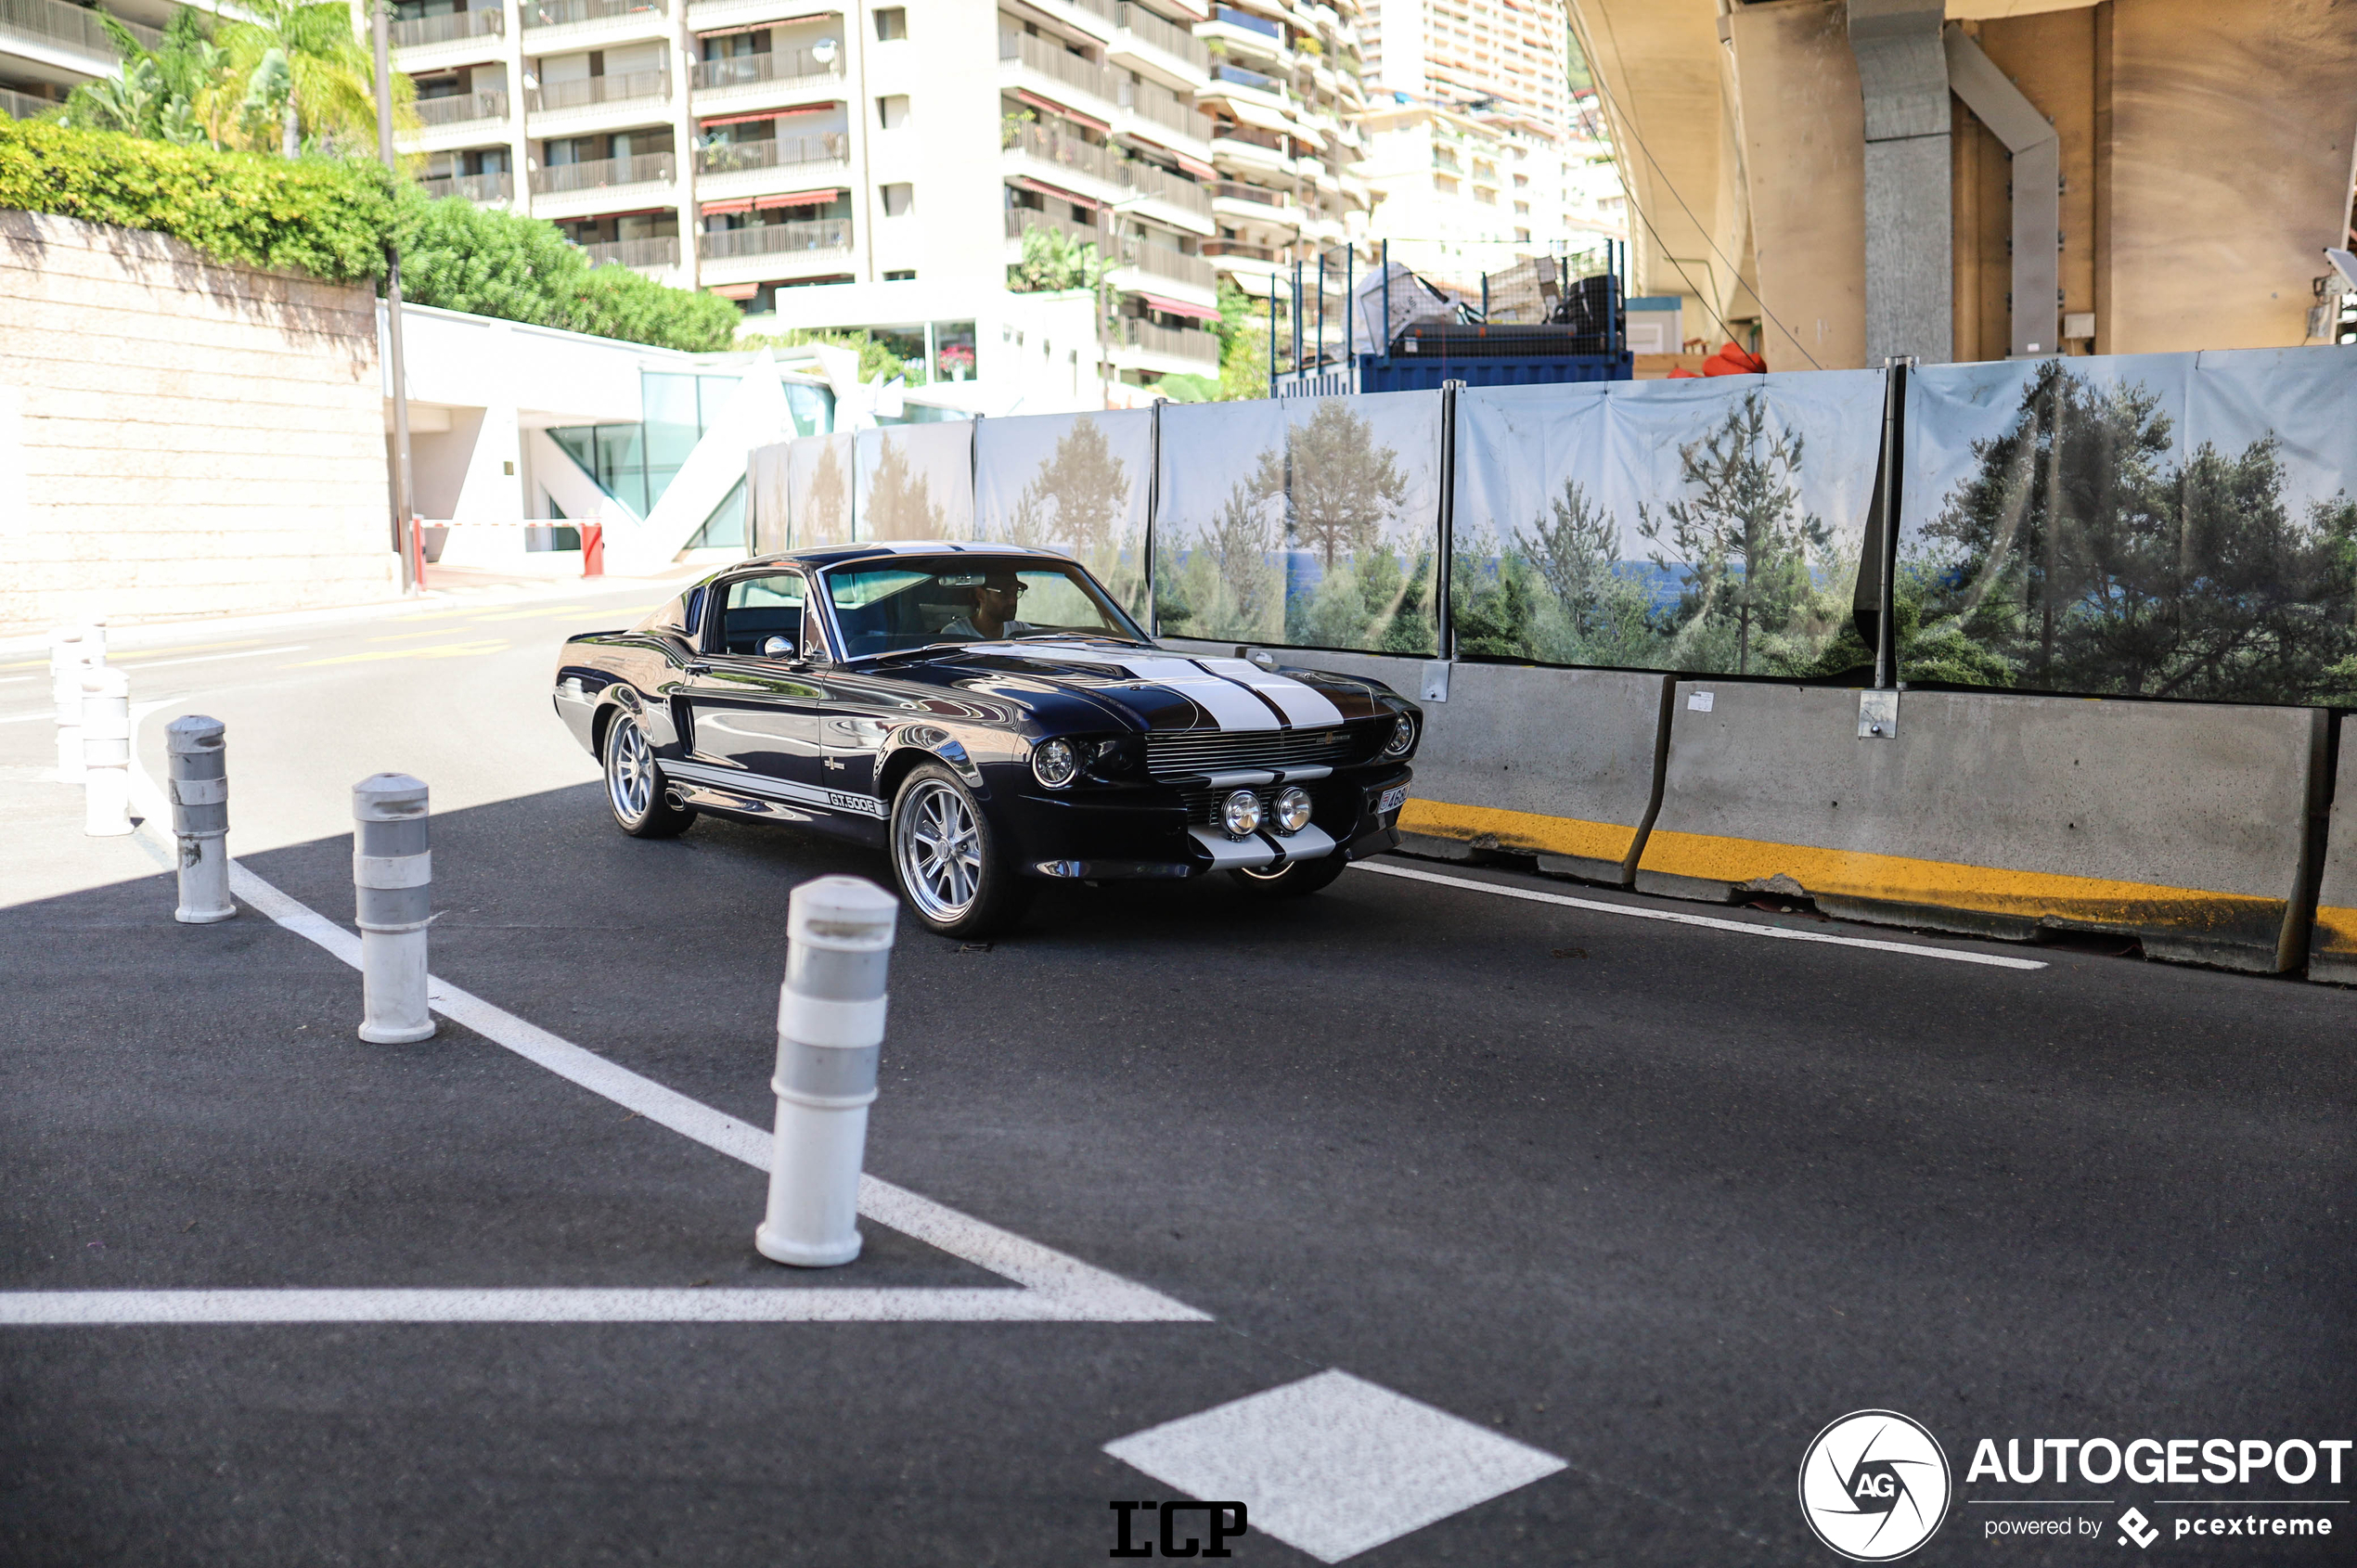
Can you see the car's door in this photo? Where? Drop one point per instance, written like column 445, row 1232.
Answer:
column 753, row 705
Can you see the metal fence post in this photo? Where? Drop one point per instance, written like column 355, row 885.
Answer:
column 199, row 788
column 106, row 752
column 65, row 692
column 831, row 1027
column 393, row 894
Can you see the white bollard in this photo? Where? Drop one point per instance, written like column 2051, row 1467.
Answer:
column 392, row 891
column 65, row 690
column 94, row 642
column 106, row 752
column 831, row 1027
column 200, row 786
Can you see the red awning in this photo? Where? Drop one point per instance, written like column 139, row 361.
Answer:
column 798, row 198
column 765, row 26
column 1044, row 189
column 713, row 208
column 768, row 114
column 734, row 291
column 1036, row 101
column 1174, row 307
column 1197, row 167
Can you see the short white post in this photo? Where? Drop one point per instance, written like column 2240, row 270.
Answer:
column 200, row 786
column 65, row 690
column 392, row 891
column 94, row 642
column 831, row 1027
column 106, row 752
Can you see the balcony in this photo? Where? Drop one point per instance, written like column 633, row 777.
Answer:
column 781, row 153
column 601, row 173
column 1236, row 191
column 785, row 66
column 1059, row 66
column 1021, row 220
column 1061, row 155
column 22, row 106
column 1179, row 343
column 661, row 252
column 602, row 89
column 419, row 31
column 1230, row 16
column 1230, row 248
column 1237, row 76
column 1165, row 187
column 53, row 22
column 812, row 234
column 1165, row 110
column 557, row 13
column 474, row 188
column 1156, row 33
column 461, row 109
column 1160, row 261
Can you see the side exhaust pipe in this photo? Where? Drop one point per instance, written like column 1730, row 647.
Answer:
column 673, row 799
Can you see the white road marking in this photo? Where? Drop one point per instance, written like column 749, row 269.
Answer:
column 1335, row 1465
column 28, row 718
column 1054, row 1286
column 209, row 657
column 1994, row 960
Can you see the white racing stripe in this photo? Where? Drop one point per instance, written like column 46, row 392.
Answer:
column 1304, row 706
column 1994, row 960
column 1231, row 706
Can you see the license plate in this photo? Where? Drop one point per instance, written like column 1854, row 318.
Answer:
column 1393, row 799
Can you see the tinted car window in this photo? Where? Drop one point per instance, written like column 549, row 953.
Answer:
column 910, row 602
column 757, row 609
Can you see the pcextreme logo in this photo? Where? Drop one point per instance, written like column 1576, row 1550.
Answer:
column 1874, row 1485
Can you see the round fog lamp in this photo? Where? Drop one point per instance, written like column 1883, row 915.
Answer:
column 1292, row 810
column 1239, row 813
column 1053, row 763
column 1403, row 735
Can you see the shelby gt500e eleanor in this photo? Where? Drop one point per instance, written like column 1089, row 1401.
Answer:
column 991, row 718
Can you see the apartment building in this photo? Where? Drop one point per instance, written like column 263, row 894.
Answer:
column 1463, row 194
column 851, row 164
column 49, row 47
column 1504, row 55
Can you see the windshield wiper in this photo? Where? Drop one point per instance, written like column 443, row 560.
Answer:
column 906, row 652
column 1079, row 636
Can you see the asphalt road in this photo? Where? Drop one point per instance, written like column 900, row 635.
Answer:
column 1659, row 1201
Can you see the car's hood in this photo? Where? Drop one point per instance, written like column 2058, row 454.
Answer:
column 1161, row 690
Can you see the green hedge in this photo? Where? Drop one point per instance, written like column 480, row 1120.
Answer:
column 330, row 218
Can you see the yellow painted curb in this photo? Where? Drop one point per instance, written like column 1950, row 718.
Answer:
column 2335, row 930
column 1894, row 879
column 1525, row 830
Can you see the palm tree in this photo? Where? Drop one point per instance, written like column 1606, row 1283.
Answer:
column 305, row 72
column 170, row 93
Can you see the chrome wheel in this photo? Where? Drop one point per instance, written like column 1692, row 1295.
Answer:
column 630, row 771
column 940, row 850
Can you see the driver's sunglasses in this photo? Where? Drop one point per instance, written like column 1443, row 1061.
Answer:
column 995, row 588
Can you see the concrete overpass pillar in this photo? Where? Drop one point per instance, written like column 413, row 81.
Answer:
column 1902, row 75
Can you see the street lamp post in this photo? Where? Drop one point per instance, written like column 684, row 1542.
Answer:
column 404, row 534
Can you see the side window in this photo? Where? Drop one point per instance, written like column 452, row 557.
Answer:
column 814, row 639
column 758, row 609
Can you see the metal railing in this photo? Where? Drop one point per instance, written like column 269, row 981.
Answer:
column 1105, row 9
column 1021, row 219
column 1238, row 249
column 1236, row 191
column 778, row 152
column 598, row 172
column 602, row 89
column 661, row 252
column 1068, row 151
column 1257, row 81
column 1168, row 36
column 23, row 105
column 1184, row 343
column 1160, row 261
column 556, row 13
column 460, row 107
column 1222, row 130
column 456, row 24
column 779, row 65
column 1061, row 64
column 497, row 187
column 1246, row 20
column 1164, row 186
column 1163, row 107
column 56, row 22
column 764, row 239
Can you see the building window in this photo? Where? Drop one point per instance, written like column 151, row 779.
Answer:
column 891, row 23
column 906, row 275
column 892, row 112
column 1445, row 184
column 897, row 198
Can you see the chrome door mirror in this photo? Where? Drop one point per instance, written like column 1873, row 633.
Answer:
column 776, row 647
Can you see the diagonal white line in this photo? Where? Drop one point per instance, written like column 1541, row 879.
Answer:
column 1994, row 960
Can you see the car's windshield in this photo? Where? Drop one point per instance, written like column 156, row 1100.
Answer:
column 912, row 601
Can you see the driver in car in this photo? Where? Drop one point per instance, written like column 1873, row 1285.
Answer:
column 997, row 598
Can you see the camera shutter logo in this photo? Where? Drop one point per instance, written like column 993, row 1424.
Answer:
column 1874, row 1485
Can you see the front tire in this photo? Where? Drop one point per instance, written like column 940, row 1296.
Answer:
column 1295, row 879
column 635, row 787
column 947, row 860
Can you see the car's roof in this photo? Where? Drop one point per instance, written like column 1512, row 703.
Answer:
column 835, row 555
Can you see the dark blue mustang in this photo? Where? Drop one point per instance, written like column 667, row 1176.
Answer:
column 992, row 718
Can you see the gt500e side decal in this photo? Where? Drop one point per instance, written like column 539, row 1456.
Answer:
column 778, row 789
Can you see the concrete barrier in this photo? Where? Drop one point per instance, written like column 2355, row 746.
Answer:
column 1561, row 764
column 2184, row 825
column 2332, row 945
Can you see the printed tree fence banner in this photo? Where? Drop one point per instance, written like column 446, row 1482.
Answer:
column 1710, row 525
column 1076, row 483
column 819, row 490
column 1310, row 522
column 915, row 481
column 769, row 486
column 2160, row 525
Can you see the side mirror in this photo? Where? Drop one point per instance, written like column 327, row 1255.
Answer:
column 776, row 647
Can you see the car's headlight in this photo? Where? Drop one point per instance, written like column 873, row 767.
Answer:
column 1292, row 810
column 1054, row 763
column 1239, row 813
column 1403, row 738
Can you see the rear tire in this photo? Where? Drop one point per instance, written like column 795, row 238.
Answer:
column 947, row 860
column 635, row 786
column 1295, row 879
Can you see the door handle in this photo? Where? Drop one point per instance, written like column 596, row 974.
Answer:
column 697, row 667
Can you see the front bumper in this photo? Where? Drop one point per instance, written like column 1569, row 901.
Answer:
column 1114, row 836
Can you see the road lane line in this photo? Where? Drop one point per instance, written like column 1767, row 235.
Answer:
column 209, row 657
column 783, row 1304
column 1994, row 960
column 439, row 651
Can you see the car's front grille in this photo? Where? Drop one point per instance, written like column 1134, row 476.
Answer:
column 1174, row 754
